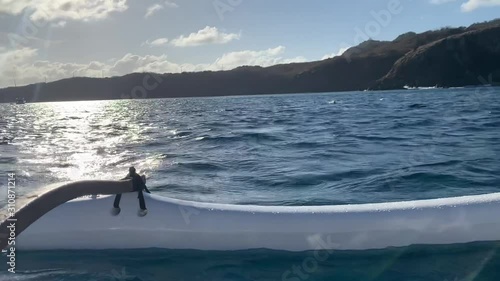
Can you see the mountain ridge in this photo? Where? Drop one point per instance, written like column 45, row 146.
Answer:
column 447, row 57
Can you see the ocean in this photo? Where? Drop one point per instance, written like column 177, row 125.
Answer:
column 300, row 149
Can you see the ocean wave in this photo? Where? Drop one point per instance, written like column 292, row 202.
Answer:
column 495, row 124
column 440, row 164
column 307, row 144
column 417, row 106
column 244, row 137
column 377, row 138
column 198, row 166
column 401, row 124
column 7, row 160
column 181, row 134
column 183, row 189
column 270, row 148
column 430, row 177
column 154, row 144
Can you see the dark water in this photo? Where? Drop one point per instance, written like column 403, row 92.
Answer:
column 271, row 150
column 477, row 261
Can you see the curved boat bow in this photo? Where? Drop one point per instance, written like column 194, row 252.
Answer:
column 44, row 203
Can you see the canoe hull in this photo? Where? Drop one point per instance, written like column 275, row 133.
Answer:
column 176, row 224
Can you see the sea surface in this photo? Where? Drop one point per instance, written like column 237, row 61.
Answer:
column 304, row 149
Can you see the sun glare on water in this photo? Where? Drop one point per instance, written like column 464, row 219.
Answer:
column 79, row 140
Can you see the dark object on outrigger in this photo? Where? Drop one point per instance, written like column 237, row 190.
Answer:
column 139, row 184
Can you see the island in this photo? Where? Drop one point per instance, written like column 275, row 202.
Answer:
column 448, row 57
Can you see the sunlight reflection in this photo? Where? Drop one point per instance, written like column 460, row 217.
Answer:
column 81, row 140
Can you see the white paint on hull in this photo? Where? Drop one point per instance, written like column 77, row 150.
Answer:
column 176, row 224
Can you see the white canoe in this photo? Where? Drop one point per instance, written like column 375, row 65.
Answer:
column 176, row 224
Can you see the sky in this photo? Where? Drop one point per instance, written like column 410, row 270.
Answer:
column 48, row 40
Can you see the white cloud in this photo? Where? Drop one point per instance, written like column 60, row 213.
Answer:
column 339, row 53
column 153, row 9
column 469, row 5
column 169, row 4
column 207, row 35
column 61, row 23
column 294, row 60
column 157, row 7
column 472, row 5
column 156, row 43
column 12, row 58
column 14, row 7
column 439, row 2
column 52, row 10
column 134, row 63
column 263, row 58
column 160, row 64
column 22, row 64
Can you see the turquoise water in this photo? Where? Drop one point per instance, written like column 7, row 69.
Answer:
column 314, row 149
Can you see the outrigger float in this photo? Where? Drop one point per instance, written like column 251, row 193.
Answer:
column 56, row 220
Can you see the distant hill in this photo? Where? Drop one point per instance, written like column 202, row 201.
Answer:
column 447, row 57
column 465, row 59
